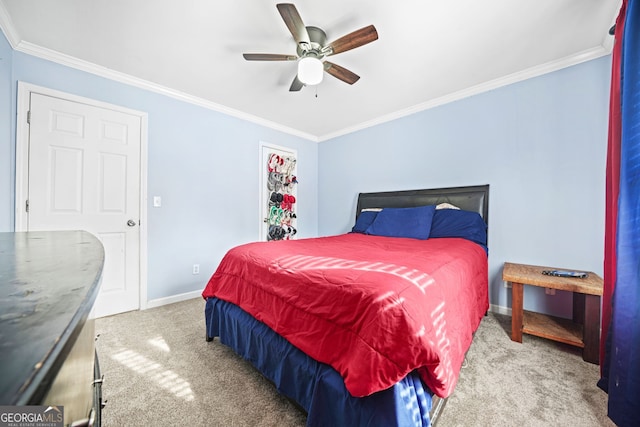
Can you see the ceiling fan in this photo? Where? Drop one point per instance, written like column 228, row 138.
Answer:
column 312, row 48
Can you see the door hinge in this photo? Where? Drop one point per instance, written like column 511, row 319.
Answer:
column 29, row 117
column 26, row 205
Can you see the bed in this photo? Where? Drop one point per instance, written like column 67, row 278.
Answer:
column 369, row 327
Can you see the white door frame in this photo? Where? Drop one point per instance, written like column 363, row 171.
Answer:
column 22, row 164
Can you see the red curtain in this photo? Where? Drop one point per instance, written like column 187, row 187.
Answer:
column 612, row 183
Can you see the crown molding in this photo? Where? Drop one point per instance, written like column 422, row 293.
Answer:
column 89, row 67
column 7, row 27
column 519, row 76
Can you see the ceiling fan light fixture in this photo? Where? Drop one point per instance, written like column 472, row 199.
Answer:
column 310, row 70
column 312, row 48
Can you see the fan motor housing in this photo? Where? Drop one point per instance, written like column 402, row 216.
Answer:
column 318, row 40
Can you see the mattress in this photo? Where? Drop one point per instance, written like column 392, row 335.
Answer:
column 375, row 309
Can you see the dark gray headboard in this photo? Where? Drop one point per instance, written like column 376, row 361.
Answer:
column 474, row 198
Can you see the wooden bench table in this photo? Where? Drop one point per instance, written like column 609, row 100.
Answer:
column 581, row 331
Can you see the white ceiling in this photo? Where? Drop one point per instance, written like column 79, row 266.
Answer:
column 428, row 52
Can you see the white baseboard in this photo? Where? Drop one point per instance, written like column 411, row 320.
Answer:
column 500, row 309
column 174, row 298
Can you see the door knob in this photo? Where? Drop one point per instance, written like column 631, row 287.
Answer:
column 131, row 223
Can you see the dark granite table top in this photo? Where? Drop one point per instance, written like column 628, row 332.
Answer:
column 48, row 283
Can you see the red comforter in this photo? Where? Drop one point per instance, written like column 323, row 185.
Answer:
column 374, row 308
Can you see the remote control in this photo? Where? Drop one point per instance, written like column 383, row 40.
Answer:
column 566, row 273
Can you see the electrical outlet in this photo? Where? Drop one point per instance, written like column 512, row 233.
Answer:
column 196, row 268
column 549, row 291
column 507, row 284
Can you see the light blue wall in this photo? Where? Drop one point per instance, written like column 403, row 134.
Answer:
column 540, row 144
column 202, row 163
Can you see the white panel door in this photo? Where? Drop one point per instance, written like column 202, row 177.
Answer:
column 84, row 174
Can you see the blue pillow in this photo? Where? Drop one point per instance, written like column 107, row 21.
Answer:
column 403, row 222
column 459, row 223
column 364, row 221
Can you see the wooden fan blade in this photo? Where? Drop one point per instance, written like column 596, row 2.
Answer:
column 292, row 18
column 341, row 73
column 353, row 40
column 296, row 85
column 268, row 57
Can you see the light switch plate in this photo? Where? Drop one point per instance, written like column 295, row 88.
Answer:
column 157, row 201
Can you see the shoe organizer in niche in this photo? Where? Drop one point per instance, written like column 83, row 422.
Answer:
column 281, row 184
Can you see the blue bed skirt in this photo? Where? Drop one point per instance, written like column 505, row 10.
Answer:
column 316, row 387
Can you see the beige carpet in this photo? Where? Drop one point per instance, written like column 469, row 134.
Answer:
column 160, row 371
